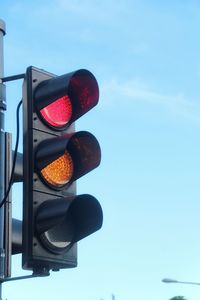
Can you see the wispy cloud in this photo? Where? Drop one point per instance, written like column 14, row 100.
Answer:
column 94, row 9
column 136, row 90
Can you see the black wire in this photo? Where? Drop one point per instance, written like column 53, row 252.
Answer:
column 15, row 156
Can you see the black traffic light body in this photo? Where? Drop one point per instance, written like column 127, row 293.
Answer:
column 54, row 157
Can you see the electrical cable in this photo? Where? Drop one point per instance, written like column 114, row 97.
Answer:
column 15, row 156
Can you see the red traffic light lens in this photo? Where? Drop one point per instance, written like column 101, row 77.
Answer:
column 58, row 113
column 63, row 99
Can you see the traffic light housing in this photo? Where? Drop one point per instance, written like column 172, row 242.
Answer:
column 54, row 157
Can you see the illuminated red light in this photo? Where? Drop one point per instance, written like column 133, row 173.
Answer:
column 63, row 99
column 58, row 113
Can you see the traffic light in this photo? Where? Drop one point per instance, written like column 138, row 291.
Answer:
column 54, row 157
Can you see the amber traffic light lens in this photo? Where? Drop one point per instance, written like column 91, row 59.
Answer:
column 60, row 171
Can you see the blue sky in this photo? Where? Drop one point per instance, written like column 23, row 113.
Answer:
column 146, row 58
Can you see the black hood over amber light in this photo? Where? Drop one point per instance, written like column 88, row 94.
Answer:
column 65, row 159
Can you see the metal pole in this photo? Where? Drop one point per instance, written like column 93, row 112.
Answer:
column 169, row 280
column 2, row 152
column 188, row 282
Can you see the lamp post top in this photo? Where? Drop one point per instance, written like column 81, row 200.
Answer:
column 3, row 26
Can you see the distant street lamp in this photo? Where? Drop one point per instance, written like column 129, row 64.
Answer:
column 169, row 280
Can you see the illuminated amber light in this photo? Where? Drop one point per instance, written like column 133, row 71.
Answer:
column 60, row 171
